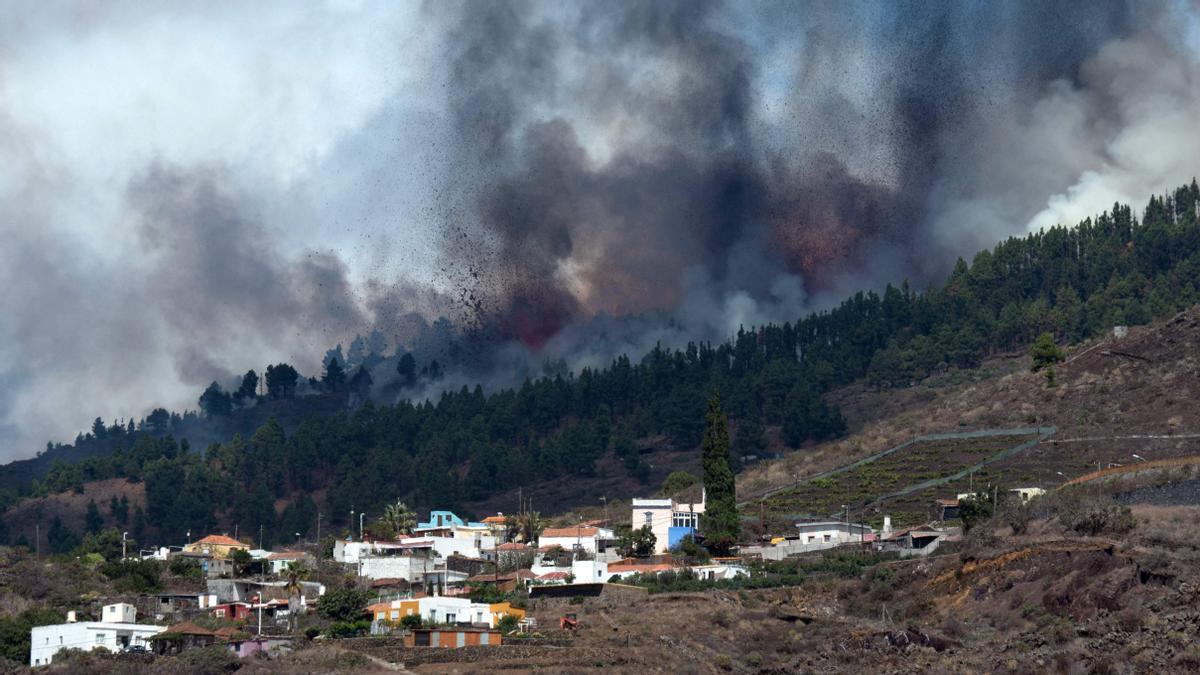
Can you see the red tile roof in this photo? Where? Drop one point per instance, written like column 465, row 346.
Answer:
column 642, row 568
column 221, row 540
column 287, row 555
column 188, row 628
column 512, row 546
column 498, row 519
column 553, row 576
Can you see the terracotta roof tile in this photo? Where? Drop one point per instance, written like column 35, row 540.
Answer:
column 188, row 628
column 221, row 540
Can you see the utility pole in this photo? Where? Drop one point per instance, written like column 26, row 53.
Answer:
column 124, row 537
column 318, row 528
column 360, row 526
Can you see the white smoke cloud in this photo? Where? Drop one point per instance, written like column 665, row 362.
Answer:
column 1134, row 115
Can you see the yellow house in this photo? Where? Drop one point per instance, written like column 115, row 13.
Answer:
column 216, row 545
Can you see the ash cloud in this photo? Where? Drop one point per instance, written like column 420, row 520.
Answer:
column 565, row 183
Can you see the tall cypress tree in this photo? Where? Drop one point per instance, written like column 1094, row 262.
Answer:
column 721, row 524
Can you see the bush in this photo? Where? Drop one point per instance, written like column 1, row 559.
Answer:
column 1094, row 516
column 134, row 576
column 343, row 604
column 185, row 567
column 345, row 629
column 411, row 621
column 1017, row 514
column 508, row 624
column 312, row 632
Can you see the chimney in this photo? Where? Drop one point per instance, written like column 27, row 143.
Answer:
column 71, row 616
column 887, row 524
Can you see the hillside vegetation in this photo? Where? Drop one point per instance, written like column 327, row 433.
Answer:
column 326, row 445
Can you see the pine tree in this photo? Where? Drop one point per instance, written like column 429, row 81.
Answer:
column 721, row 525
column 1045, row 353
column 93, row 521
column 334, row 378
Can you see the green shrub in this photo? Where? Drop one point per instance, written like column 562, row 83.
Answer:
column 134, row 576
column 212, row 659
column 411, row 621
column 507, row 624
column 345, row 629
column 343, row 604
column 185, row 567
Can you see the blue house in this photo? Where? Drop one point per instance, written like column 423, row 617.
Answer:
column 446, row 521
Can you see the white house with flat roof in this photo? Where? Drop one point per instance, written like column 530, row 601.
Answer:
column 116, row 631
column 669, row 520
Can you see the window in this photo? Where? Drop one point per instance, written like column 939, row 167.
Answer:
column 683, row 519
column 451, row 617
column 395, row 614
column 826, row 537
column 812, row 538
column 99, row 638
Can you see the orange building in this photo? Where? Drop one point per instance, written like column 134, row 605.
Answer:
column 452, row 637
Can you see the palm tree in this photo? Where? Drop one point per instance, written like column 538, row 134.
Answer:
column 526, row 526
column 399, row 518
column 295, row 574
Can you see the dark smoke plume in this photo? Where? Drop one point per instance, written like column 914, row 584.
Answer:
column 598, row 177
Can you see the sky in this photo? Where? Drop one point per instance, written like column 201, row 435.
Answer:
column 189, row 191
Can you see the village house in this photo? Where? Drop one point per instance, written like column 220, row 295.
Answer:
column 551, row 568
column 216, row 545
column 246, row 590
column 596, row 541
column 232, row 611
column 117, row 630
column 423, row 560
column 669, row 520
column 182, row 637
column 497, row 525
column 814, row 536
column 440, row 609
column 174, row 605
column 278, row 563
column 446, row 524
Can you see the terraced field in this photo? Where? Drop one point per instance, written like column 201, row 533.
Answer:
column 902, row 482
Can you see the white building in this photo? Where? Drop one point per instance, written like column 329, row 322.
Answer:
column 443, row 610
column 116, row 631
column 816, row 536
column 581, row 571
column 819, row 535
column 594, row 540
column 670, row 521
column 476, row 546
